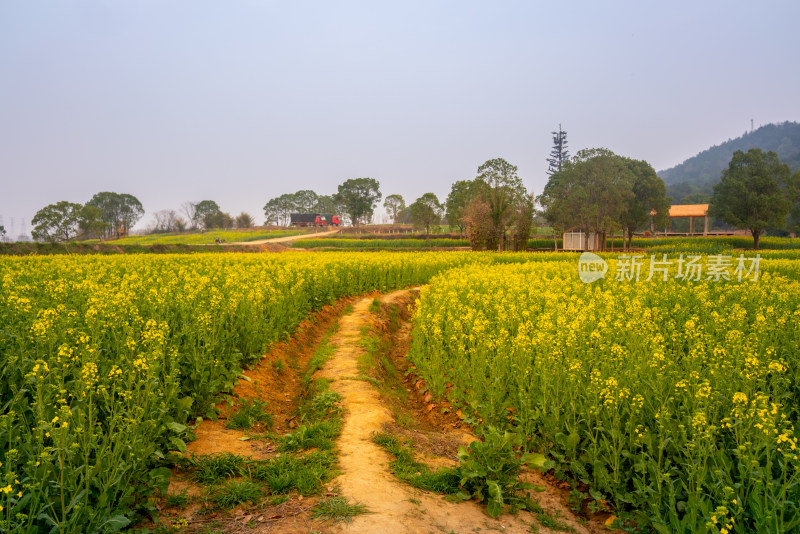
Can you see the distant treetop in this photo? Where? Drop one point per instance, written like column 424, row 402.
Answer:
column 559, row 155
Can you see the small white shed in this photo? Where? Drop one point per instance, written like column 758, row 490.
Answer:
column 575, row 239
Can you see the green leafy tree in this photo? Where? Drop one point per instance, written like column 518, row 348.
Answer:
column 305, row 201
column 591, row 192
column 461, row 194
column 329, row 204
column 752, row 192
column 359, row 196
column 206, row 213
column 120, row 211
column 559, row 156
column 394, row 206
column 57, row 222
column 502, row 190
column 523, row 223
column 649, row 194
column 219, row 219
column 92, row 223
column 696, row 198
column 272, row 212
column 279, row 209
column 426, row 211
column 131, row 211
column 244, row 220
column 2, row 231
column 793, row 219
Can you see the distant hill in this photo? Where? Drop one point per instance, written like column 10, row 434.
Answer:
column 688, row 182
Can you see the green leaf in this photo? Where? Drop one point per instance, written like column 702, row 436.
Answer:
column 115, row 524
column 159, row 478
column 178, row 444
column 536, row 460
column 463, row 495
column 184, row 404
column 176, row 427
column 494, row 508
column 573, row 440
column 495, row 493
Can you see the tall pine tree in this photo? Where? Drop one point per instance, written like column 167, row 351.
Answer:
column 559, row 155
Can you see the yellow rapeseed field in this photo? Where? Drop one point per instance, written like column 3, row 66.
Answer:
column 106, row 359
column 676, row 401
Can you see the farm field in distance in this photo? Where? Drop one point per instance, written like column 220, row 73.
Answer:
column 665, row 405
column 694, row 245
column 207, row 238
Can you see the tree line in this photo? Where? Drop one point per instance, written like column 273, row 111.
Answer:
column 106, row 214
column 203, row 215
column 109, row 215
column 596, row 191
column 600, row 192
column 354, row 201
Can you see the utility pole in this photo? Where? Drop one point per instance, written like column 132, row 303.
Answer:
column 751, row 125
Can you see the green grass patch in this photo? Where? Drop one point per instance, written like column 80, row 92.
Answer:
column 377, row 367
column 375, row 306
column 321, row 415
column 304, row 474
column 546, row 519
column 237, row 492
column 212, row 468
column 177, row 500
column 337, row 509
column 249, row 413
column 487, row 471
column 416, row 474
column 312, row 436
column 324, row 351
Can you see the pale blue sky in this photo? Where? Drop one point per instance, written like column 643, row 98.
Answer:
column 241, row 101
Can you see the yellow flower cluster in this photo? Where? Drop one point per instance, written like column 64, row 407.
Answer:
column 657, row 379
column 102, row 353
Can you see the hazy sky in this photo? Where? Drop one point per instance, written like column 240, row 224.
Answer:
column 241, row 101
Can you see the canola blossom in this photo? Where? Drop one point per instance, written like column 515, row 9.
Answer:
column 675, row 401
column 105, row 360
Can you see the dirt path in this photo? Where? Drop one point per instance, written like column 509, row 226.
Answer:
column 365, row 476
column 289, row 239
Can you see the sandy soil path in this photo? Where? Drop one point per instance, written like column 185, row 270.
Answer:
column 289, row 239
column 365, row 477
